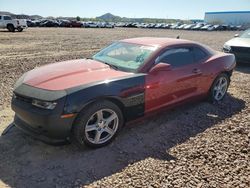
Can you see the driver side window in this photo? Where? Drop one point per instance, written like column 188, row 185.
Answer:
column 177, row 57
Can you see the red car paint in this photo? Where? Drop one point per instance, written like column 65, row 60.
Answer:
column 161, row 89
column 184, row 83
column 68, row 74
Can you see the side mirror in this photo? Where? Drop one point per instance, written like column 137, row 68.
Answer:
column 160, row 67
column 236, row 35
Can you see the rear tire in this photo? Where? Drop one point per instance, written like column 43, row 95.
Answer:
column 19, row 29
column 11, row 28
column 219, row 88
column 97, row 124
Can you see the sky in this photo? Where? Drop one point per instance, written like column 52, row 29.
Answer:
column 177, row 9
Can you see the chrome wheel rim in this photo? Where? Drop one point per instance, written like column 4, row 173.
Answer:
column 101, row 126
column 220, row 88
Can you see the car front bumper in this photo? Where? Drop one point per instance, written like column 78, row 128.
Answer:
column 42, row 124
column 242, row 57
column 242, row 54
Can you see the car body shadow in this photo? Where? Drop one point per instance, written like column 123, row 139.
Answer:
column 29, row 163
column 5, row 31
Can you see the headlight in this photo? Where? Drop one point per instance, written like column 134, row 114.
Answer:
column 44, row 104
column 226, row 48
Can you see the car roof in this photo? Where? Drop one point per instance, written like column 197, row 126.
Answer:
column 166, row 42
column 156, row 41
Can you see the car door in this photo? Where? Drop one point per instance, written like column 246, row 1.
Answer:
column 164, row 88
column 5, row 20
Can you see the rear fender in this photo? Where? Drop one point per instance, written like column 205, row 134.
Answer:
column 217, row 64
column 222, row 62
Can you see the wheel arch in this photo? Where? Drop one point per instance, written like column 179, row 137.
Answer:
column 112, row 99
column 10, row 24
column 228, row 73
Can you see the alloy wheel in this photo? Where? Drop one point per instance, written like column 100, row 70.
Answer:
column 101, row 126
column 220, row 88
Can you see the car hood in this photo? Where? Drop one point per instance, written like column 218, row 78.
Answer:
column 69, row 74
column 240, row 42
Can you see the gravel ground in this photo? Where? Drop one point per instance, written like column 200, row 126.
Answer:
column 198, row 145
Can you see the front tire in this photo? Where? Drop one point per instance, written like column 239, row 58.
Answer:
column 97, row 124
column 219, row 88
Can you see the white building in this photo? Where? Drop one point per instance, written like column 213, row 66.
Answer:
column 232, row 17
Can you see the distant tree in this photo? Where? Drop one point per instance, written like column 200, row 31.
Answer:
column 78, row 18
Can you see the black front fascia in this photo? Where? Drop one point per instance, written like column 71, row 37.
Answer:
column 128, row 91
column 37, row 93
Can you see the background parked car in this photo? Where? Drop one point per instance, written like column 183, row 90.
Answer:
column 64, row 23
column 240, row 47
column 76, row 24
column 49, row 23
column 30, row 23
column 6, row 22
column 91, row 24
column 198, row 26
column 189, row 26
column 181, row 26
column 174, row 26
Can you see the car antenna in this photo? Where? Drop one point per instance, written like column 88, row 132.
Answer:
column 178, row 37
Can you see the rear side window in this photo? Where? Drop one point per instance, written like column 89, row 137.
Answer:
column 199, row 54
column 7, row 18
column 177, row 57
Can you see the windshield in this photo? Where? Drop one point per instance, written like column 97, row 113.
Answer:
column 125, row 56
column 246, row 34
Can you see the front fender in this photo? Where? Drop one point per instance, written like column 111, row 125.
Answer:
column 127, row 93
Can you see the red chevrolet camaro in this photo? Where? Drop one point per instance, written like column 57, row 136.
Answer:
column 89, row 100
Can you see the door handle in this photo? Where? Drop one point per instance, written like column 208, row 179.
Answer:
column 196, row 71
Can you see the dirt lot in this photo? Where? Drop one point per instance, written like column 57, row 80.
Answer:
column 199, row 145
